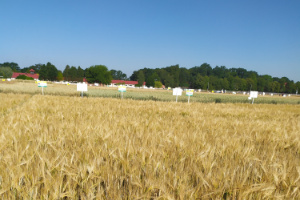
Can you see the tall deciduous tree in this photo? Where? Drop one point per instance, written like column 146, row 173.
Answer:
column 66, row 73
column 6, row 72
column 73, row 73
column 99, row 74
column 158, row 84
column 60, row 76
column 184, row 77
column 48, row 72
column 150, row 81
column 80, row 73
column 118, row 75
column 14, row 66
column 141, row 78
column 134, row 76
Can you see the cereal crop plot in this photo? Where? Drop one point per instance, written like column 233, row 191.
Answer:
column 8, row 102
column 29, row 87
column 55, row 147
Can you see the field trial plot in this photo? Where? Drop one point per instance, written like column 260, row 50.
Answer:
column 29, row 87
column 103, row 148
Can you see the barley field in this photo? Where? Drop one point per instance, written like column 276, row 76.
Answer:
column 66, row 147
column 30, row 87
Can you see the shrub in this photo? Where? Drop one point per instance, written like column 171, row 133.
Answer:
column 23, row 77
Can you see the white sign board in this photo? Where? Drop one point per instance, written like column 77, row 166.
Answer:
column 122, row 88
column 42, row 84
column 189, row 92
column 82, row 87
column 253, row 94
column 177, row 91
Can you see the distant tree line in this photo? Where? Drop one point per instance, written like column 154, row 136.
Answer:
column 96, row 73
column 218, row 78
column 199, row 77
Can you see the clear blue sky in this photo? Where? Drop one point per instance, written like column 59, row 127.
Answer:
column 127, row 35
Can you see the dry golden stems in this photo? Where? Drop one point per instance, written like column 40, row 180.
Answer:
column 55, row 147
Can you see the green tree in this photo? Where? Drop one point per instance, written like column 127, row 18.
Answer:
column 80, row 74
column 66, row 73
column 14, row 66
column 118, row 75
column 239, row 84
column 52, row 71
column 264, row 83
column 134, row 76
column 220, row 72
column 73, row 73
column 225, row 84
column 60, row 76
column 241, row 72
column 290, row 87
column 150, row 81
column 197, row 73
column 35, row 67
column 169, row 81
column 214, row 83
column 98, row 74
column 205, row 69
column 201, row 82
column 158, row 84
column 48, row 72
column 283, row 84
column 184, row 77
column 6, row 72
column 297, row 86
column 173, row 72
column 275, row 87
column 141, row 78
column 249, row 84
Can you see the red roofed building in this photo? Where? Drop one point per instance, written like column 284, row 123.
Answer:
column 31, row 74
column 126, row 83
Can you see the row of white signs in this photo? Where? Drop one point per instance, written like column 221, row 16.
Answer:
column 82, row 87
column 178, row 92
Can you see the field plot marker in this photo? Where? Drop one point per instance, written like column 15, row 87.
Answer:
column 189, row 93
column 42, row 84
column 253, row 95
column 82, row 87
column 122, row 89
column 177, row 92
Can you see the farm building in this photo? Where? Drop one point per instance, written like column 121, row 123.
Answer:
column 114, row 83
column 31, row 74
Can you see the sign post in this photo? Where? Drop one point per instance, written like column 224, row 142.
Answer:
column 42, row 84
column 177, row 92
column 189, row 93
column 122, row 88
column 82, row 87
column 253, row 95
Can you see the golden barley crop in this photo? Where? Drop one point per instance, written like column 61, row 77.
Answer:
column 9, row 102
column 60, row 147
